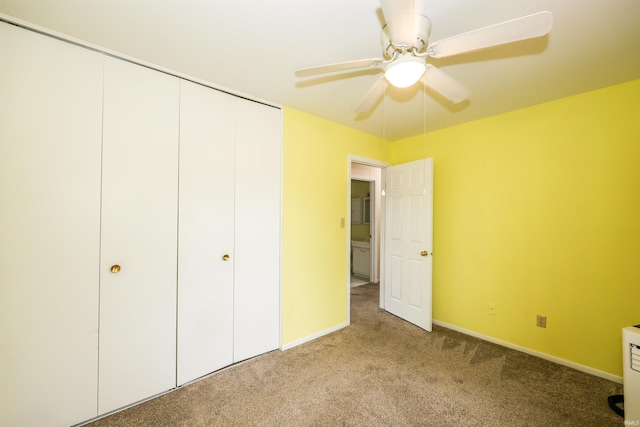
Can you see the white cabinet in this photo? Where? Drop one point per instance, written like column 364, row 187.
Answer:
column 139, row 234
column 50, row 121
column 229, row 232
column 361, row 252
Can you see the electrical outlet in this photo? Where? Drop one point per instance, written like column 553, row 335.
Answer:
column 342, row 221
column 491, row 309
column 541, row 321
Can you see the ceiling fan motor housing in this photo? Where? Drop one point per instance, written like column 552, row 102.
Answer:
column 422, row 30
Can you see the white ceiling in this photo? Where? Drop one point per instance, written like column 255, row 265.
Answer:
column 254, row 48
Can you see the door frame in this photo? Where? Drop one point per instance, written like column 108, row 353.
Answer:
column 352, row 158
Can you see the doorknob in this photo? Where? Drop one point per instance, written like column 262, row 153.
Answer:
column 115, row 268
column 225, row 257
column 424, row 253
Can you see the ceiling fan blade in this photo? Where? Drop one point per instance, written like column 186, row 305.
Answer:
column 445, row 85
column 372, row 95
column 340, row 66
column 400, row 16
column 522, row 28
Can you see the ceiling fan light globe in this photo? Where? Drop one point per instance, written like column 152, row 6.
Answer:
column 405, row 73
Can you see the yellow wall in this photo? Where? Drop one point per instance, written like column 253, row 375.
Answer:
column 538, row 212
column 314, row 246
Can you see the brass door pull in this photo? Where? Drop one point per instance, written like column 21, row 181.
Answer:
column 424, row 253
column 225, row 257
column 115, row 268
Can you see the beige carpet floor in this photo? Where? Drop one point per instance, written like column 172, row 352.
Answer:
column 383, row 371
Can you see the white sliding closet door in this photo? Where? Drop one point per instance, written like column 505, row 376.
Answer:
column 139, row 234
column 206, row 231
column 50, row 132
column 257, row 268
column 229, row 232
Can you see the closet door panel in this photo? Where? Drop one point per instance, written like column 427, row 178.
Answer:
column 50, row 133
column 257, row 269
column 206, row 231
column 139, row 234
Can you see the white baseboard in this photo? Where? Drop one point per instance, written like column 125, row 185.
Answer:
column 313, row 337
column 570, row 364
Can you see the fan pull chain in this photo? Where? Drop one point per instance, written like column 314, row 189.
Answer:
column 384, row 136
column 424, row 122
column 424, row 128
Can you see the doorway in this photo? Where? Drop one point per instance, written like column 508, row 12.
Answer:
column 365, row 219
column 409, row 249
column 363, row 230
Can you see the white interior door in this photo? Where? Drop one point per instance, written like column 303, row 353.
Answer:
column 408, row 241
column 139, row 233
column 50, row 133
column 206, row 231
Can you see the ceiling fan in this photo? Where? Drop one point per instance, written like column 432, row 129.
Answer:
column 406, row 46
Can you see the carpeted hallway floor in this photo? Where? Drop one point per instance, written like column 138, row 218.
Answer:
column 383, row 371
